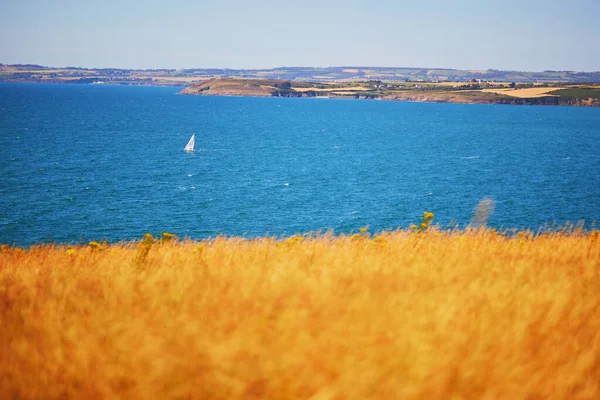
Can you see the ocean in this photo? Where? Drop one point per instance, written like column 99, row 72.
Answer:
column 92, row 162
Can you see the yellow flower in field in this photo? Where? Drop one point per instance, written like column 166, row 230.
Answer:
column 71, row 252
column 424, row 224
column 294, row 239
column 198, row 249
column 96, row 246
column 166, row 236
column 148, row 239
column 381, row 241
column 364, row 229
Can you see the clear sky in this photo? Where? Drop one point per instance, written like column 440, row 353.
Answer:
column 532, row 35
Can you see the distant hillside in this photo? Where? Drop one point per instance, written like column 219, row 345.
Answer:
column 242, row 87
column 426, row 75
column 187, row 77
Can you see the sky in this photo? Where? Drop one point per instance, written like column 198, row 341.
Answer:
column 529, row 35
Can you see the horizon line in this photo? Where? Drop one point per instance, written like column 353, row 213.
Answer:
column 300, row 66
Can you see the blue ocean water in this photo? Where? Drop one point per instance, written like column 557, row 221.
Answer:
column 84, row 162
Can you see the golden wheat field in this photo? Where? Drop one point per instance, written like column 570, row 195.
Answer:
column 437, row 314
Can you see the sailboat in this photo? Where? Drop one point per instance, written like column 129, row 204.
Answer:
column 190, row 145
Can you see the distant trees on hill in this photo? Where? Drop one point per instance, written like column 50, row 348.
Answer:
column 284, row 85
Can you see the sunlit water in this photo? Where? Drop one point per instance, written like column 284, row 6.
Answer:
column 88, row 162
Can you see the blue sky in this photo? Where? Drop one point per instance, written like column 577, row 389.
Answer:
column 532, row 35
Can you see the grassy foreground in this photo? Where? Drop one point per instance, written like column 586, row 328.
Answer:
column 430, row 315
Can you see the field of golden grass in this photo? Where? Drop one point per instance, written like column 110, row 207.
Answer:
column 525, row 93
column 399, row 315
column 334, row 89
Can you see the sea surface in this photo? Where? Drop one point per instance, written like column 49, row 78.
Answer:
column 90, row 162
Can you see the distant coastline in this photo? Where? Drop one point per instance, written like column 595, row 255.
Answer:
column 187, row 77
column 568, row 88
column 455, row 92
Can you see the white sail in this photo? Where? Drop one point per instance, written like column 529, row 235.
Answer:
column 190, row 145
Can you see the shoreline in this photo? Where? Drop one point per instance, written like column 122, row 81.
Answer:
column 411, row 96
column 512, row 94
